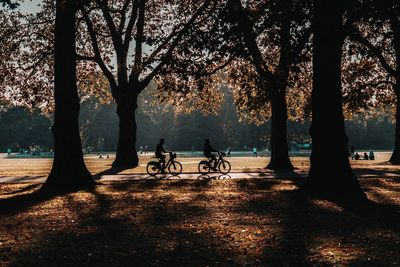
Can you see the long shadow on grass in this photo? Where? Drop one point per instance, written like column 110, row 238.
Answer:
column 300, row 226
column 110, row 171
column 113, row 232
column 28, row 187
column 21, row 202
column 386, row 216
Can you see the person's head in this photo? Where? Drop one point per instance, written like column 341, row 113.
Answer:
column 207, row 141
column 162, row 141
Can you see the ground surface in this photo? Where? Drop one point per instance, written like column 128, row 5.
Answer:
column 259, row 221
column 254, row 222
column 40, row 167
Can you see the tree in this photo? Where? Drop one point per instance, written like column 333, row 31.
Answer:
column 274, row 75
column 379, row 38
column 145, row 24
column 68, row 171
column 330, row 170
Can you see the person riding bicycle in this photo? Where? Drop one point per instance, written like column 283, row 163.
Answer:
column 208, row 152
column 160, row 154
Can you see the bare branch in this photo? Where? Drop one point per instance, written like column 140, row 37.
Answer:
column 131, row 23
column 96, row 49
column 137, row 66
column 86, row 58
column 116, row 38
column 174, row 43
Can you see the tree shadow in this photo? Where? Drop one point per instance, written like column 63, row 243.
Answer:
column 29, row 187
column 103, row 237
column 384, row 215
column 110, row 171
column 21, row 202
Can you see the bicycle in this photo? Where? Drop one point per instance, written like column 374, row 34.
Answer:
column 174, row 167
column 224, row 167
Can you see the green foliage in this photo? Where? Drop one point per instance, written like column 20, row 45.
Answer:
column 21, row 128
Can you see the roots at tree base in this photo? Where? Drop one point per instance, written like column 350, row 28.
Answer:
column 395, row 157
column 283, row 164
column 131, row 161
column 333, row 185
column 71, row 180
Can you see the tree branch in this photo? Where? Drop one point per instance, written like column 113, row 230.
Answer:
column 123, row 17
column 174, row 43
column 117, row 40
column 131, row 23
column 96, row 49
column 249, row 38
column 355, row 35
column 85, row 58
column 137, row 65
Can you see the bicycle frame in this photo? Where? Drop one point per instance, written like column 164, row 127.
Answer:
column 219, row 159
column 172, row 156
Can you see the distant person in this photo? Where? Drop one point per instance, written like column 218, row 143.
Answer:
column 208, row 152
column 192, row 149
column 366, row 156
column 160, row 154
column 228, row 152
column 141, row 150
column 8, row 151
column 357, row 156
column 371, row 155
column 146, row 148
column 255, row 152
column 352, row 150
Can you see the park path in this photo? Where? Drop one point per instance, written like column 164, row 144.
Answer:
column 364, row 173
column 142, row 176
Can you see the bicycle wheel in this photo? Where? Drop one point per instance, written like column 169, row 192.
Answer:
column 175, row 168
column 153, row 168
column 224, row 167
column 204, row 167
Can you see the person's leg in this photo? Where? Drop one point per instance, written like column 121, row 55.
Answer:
column 162, row 160
column 214, row 159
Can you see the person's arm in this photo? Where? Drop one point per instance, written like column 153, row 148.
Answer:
column 165, row 151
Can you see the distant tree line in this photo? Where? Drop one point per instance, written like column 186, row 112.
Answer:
column 22, row 128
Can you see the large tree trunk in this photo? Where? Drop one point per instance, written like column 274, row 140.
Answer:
column 69, row 171
column 395, row 158
column 330, row 171
column 280, row 160
column 279, row 146
column 126, row 149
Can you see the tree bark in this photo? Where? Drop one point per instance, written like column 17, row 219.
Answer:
column 280, row 160
column 69, row 172
column 395, row 158
column 330, row 171
column 126, row 155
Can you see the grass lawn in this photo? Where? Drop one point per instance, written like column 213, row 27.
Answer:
column 254, row 222
column 42, row 166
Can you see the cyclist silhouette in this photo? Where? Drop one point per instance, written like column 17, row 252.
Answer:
column 208, row 152
column 160, row 154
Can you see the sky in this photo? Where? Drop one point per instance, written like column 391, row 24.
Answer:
column 29, row 6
